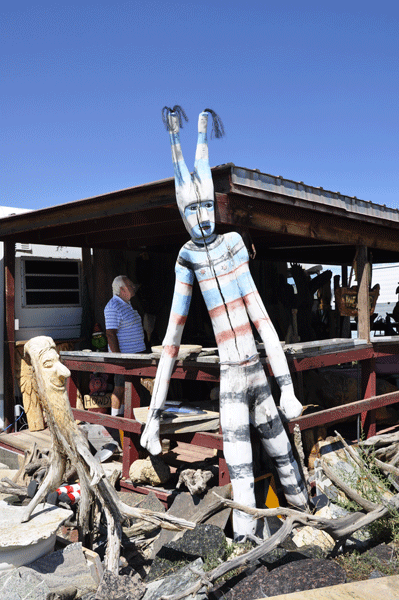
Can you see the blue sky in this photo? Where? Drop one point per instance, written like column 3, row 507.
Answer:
column 306, row 90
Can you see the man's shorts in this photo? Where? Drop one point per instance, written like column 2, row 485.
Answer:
column 119, row 380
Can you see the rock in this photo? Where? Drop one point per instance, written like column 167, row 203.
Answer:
column 130, row 498
column 63, row 568
column 58, row 575
column 375, row 574
column 149, row 501
column 15, row 585
column 204, row 541
column 311, row 536
column 151, row 470
column 300, row 575
column 177, row 583
column 195, row 480
column 190, row 508
column 383, row 553
column 120, row 587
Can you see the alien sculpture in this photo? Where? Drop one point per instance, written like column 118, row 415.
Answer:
column 220, row 264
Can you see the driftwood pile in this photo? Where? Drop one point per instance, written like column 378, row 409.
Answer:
column 70, row 454
column 70, row 446
column 386, row 447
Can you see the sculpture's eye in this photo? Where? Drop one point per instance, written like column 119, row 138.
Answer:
column 48, row 364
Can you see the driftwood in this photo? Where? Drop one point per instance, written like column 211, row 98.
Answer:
column 68, row 442
column 385, row 446
column 339, row 529
column 386, row 468
column 301, row 456
column 351, row 493
column 7, row 486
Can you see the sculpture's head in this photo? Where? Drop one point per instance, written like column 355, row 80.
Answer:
column 194, row 192
column 41, row 353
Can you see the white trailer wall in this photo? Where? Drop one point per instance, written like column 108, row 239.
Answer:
column 59, row 322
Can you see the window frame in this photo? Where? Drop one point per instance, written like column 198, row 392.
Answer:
column 25, row 289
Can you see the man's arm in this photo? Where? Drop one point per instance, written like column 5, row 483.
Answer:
column 289, row 404
column 171, row 344
column 112, row 339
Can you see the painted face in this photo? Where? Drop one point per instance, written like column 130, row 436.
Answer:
column 199, row 219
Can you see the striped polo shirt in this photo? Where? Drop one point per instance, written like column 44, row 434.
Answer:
column 120, row 315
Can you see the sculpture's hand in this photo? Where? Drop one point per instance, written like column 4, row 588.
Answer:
column 289, row 404
column 150, row 436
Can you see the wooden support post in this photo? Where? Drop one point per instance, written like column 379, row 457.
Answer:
column 102, row 273
column 9, row 332
column 344, row 322
column 72, row 388
column 368, row 387
column 363, row 302
column 131, row 441
column 224, row 476
column 87, row 267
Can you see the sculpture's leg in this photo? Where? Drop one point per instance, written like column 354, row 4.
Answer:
column 237, row 449
column 52, row 480
column 274, row 437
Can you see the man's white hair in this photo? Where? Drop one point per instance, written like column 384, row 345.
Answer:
column 117, row 283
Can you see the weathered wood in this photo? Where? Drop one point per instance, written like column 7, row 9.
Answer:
column 351, row 493
column 387, row 467
column 27, row 385
column 277, row 214
column 363, row 278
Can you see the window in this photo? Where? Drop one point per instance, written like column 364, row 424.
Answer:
column 50, row 282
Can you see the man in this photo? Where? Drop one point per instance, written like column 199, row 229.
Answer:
column 220, row 265
column 124, row 332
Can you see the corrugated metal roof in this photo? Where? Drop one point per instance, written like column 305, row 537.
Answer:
column 297, row 189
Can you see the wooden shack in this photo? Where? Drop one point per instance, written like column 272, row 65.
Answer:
column 286, row 222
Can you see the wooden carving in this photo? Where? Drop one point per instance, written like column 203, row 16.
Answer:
column 69, row 442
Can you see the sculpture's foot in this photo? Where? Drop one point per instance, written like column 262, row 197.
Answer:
column 150, row 439
column 244, row 526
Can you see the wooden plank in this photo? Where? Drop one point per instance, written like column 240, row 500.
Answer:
column 363, row 302
column 370, row 589
column 141, row 413
column 331, row 415
column 284, row 216
column 187, row 423
column 24, row 440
